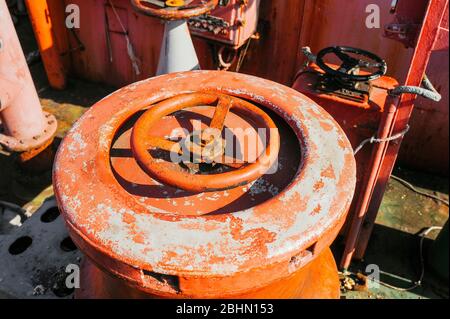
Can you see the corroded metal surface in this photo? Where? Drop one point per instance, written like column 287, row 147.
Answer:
column 125, row 233
column 35, row 144
column 23, row 124
column 317, row 280
column 162, row 171
column 49, row 51
column 191, row 10
column 34, row 257
column 402, row 113
column 359, row 120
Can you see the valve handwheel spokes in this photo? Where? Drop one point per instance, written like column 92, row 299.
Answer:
column 205, row 146
column 350, row 64
column 172, row 11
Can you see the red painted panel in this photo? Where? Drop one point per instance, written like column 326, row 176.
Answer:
column 284, row 30
column 329, row 22
column 426, row 145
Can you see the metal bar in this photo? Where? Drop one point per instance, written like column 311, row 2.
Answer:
column 365, row 197
column 38, row 11
column 220, row 114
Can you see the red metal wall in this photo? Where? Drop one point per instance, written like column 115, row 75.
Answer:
column 286, row 26
column 329, row 22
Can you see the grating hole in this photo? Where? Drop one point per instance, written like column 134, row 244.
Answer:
column 67, row 244
column 62, row 292
column 59, row 287
column 50, row 215
column 20, row 245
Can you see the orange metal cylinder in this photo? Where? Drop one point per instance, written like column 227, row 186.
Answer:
column 268, row 238
column 317, row 280
column 38, row 11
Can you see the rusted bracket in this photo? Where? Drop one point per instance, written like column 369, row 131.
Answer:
column 406, row 33
column 407, row 21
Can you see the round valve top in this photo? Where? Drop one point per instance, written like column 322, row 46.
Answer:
column 208, row 143
column 136, row 211
column 174, row 9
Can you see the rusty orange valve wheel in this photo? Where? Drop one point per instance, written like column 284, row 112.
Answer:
column 205, row 146
column 172, row 11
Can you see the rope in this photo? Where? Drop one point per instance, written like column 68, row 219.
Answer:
column 242, row 55
column 410, row 186
column 374, row 139
column 308, row 54
column 225, row 66
column 130, row 49
column 428, row 91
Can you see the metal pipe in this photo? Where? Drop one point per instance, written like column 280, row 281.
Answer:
column 41, row 21
column 365, row 197
column 24, row 124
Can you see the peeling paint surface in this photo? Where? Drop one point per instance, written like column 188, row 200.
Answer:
column 139, row 233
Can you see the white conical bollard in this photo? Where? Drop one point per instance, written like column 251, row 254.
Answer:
column 177, row 51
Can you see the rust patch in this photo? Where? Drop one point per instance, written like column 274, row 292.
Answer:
column 326, row 126
column 328, row 172
column 318, row 185
column 128, row 218
column 173, row 13
column 260, row 235
column 316, row 210
column 139, row 239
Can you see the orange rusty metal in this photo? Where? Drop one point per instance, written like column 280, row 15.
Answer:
column 169, row 13
column 38, row 159
column 38, row 11
column 164, row 172
column 268, row 238
column 316, row 280
column 24, row 127
column 359, row 120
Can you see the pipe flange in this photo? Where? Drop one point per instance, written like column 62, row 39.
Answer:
column 13, row 144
